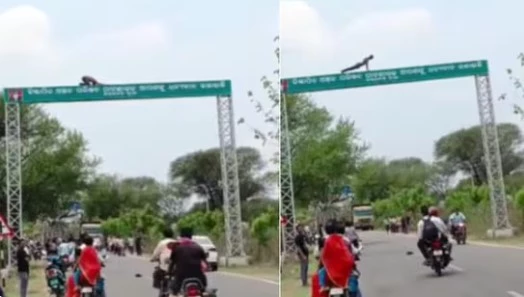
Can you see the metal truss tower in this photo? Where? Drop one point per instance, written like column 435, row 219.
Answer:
column 492, row 154
column 287, row 198
column 13, row 166
column 230, row 183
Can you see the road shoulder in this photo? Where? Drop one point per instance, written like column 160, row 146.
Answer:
column 37, row 284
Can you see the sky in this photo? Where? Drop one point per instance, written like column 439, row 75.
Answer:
column 53, row 43
column 322, row 37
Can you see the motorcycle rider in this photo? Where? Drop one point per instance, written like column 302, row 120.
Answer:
column 89, row 268
column 336, row 257
column 456, row 218
column 430, row 228
column 186, row 261
column 162, row 254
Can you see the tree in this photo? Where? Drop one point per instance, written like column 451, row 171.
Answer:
column 440, row 180
column 55, row 165
column 200, row 173
column 517, row 84
column 409, row 173
column 253, row 208
column 103, row 198
column 170, row 205
column 137, row 192
column 377, row 179
column 371, row 181
column 324, row 151
column 464, row 149
column 108, row 196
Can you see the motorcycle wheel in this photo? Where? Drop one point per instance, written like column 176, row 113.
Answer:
column 438, row 270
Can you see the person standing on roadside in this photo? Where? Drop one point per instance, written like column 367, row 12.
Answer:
column 303, row 253
column 22, row 259
column 138, row 243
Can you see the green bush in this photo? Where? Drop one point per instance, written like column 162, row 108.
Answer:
column 260, row 238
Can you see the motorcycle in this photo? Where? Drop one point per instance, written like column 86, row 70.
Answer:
column 439, row 257
column 161, row 282
column 460, row 233
column 192, row 287
column 55, row 280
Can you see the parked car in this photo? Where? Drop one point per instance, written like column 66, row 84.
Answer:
column 210, row 249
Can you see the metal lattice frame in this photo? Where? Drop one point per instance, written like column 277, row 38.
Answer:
column 230, row 183
column 492, row 153
column 13, row 167
column 287, row 198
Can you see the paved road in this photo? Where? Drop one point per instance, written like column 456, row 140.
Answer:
column 477, row 271
column 121, row 281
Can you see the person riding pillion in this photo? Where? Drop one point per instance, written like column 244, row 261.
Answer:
column 162, row 255
column 162, row 251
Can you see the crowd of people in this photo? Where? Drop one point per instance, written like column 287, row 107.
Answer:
column 178, row 259
column 120, row 246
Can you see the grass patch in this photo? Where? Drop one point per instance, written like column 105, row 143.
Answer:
column 291, row 285
column 268, row 272
column 37, row 283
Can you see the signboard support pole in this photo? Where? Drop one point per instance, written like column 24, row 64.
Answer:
column 13, row 166
column 501, row 224
column 287, row 197
column 230, row 183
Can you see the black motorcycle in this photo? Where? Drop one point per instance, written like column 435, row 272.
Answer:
column 439, row 256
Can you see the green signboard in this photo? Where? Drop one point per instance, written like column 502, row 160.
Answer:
column 118, row 92
column 337, row 81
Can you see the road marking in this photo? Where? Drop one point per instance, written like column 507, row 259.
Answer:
column 264, row 280
column 514, row 294
column 456, row 268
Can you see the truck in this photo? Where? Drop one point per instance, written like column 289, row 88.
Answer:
column 92, row 229
column 363, row 218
